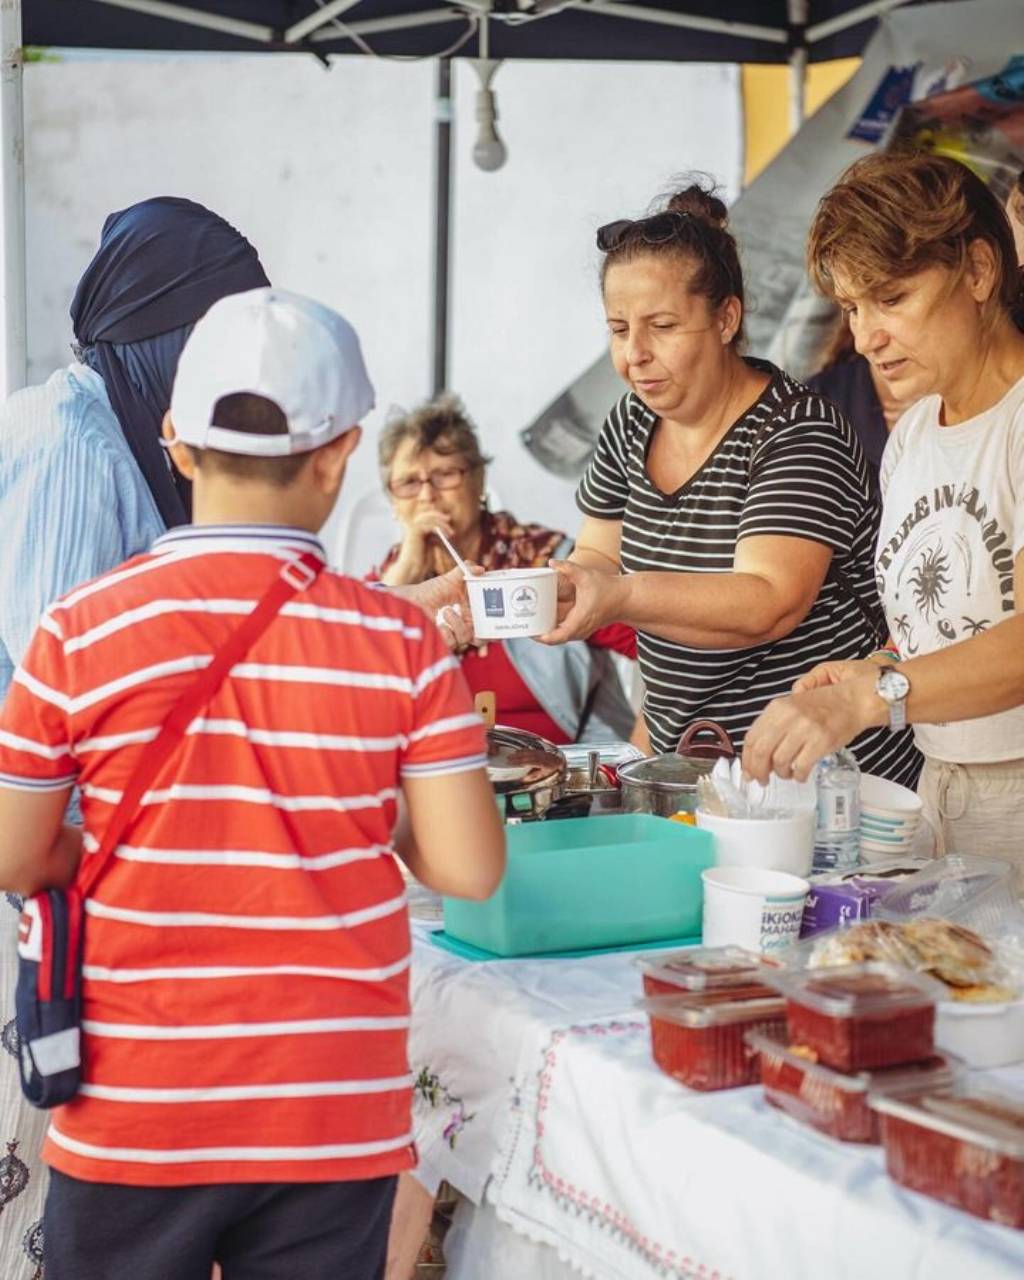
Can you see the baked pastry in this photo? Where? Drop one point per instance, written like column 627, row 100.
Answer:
column 956, row 956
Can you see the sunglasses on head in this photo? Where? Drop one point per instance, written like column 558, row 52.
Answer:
column 657, row 229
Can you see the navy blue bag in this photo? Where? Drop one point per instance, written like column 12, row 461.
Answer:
column 48, row 998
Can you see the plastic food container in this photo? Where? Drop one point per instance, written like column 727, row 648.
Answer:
column 966, row 1150
column 703, row 1045
column 862, row 1016
column 984, row 1035
column 977, row 892
column 731, row 972
column 832, row 1101
column 581, row 883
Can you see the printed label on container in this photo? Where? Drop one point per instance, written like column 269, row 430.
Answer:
column 524, row 602
column 780, row 922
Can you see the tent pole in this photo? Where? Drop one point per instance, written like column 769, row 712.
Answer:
column 12, row 181
column 863, row 13
column 442, row 216
column 797, row 15
column 318, row 18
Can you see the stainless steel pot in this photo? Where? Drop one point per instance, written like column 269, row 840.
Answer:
column 527, row 770
column 593, row 772
column 662, row 785
column 667, row 784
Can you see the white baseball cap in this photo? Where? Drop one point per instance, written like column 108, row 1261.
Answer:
column 289, row 349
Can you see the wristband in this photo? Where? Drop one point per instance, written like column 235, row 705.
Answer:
column 890, row 652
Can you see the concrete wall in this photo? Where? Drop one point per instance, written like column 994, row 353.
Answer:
column 330, row 174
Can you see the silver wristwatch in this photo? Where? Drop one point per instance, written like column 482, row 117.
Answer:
column 892, row 686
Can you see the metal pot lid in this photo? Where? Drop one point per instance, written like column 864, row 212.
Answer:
column 521, row 761
column 669, row 772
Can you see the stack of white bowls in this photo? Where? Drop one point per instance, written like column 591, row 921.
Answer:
column 889, row 818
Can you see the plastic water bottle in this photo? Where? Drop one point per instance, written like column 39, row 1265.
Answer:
column 837, row 835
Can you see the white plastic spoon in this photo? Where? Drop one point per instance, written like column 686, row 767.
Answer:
column 454, row 554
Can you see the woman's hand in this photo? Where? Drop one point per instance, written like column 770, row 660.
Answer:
column 413, row 561
column 792, row 734
column 588, row 599
column 829, row 673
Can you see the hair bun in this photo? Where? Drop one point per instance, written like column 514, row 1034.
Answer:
column 700, row 203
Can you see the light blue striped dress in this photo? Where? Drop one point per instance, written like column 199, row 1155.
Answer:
column 72, row 501
column 73, row 504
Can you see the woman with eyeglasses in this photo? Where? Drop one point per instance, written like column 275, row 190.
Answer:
column 729, row 515
column 435, row 472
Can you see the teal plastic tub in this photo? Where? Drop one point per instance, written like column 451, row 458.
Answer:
column 579, row 883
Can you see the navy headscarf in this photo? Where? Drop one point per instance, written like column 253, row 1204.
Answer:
column 160, row 266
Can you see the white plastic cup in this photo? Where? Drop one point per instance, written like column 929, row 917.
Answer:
column 753, row 908
column 513, row 602
column 775, row 844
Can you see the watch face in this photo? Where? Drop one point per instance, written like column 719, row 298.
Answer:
column 893, row 685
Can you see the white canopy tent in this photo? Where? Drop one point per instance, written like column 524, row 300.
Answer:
column 793, row 31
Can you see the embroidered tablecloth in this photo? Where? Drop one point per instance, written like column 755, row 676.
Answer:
column 471, row 1024
column 539, row 1074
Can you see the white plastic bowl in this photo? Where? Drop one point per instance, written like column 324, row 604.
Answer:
column 878, row 853
column 883, row 798
column 887, row 837
column 878, row 819
column 904, row 832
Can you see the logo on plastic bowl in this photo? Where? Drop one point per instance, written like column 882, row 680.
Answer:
column 494, row 602
column 524, row 602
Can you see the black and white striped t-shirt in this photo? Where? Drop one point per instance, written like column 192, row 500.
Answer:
column 791, row 466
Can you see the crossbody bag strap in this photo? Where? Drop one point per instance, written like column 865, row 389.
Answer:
column 296, row 575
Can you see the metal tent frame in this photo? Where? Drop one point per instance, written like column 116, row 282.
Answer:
column 785, row 31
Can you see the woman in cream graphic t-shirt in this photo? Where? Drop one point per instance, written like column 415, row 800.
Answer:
column 919, row 254
column 952, row 528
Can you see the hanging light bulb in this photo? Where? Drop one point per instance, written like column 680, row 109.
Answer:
column 489, row 152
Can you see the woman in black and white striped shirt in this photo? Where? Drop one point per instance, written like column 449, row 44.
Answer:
column 730, row 516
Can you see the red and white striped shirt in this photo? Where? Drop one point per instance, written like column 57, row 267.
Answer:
column 247, row 950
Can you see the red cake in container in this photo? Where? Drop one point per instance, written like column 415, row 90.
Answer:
column 966, row 1150
column 834, row 1102
column 702, row 1044
column 863, row 1016
column 714, row 972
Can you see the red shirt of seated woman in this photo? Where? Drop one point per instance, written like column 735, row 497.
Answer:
column 440, row 486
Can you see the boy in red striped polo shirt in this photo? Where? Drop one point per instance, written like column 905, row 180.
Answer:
column 246, row 1092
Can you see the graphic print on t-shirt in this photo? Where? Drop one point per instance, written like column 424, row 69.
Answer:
column 947, row 544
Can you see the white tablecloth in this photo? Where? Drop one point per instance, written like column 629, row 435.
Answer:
column 539, row 1088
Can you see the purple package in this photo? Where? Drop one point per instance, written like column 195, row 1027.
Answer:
column 838, row 898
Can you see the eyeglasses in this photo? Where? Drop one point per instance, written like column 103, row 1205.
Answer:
column 439, row 479
column 657, row 229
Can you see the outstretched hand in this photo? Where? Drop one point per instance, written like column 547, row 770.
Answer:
column 792, row 734
column 445, row 599
column 586, row 602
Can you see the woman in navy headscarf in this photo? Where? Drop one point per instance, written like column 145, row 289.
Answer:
column 161, row 265
column 84, row 485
